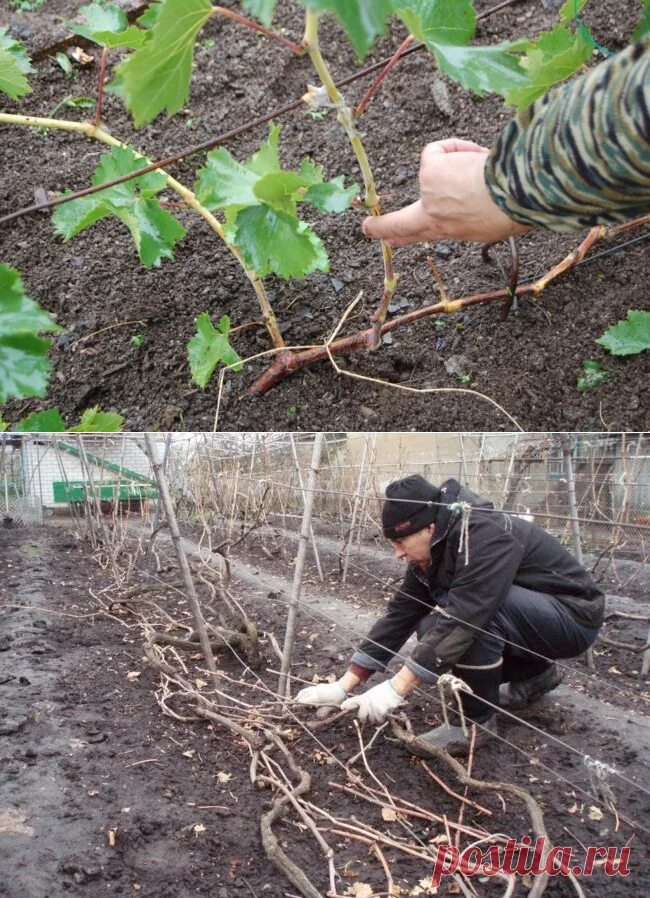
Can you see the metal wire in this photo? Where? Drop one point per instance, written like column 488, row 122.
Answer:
column 482, row 509
column 590, row 677
column 315, row 614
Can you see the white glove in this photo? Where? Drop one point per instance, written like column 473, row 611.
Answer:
column 376, row 704
column 323, row 694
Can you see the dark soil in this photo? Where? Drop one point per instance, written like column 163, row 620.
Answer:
column 86, row 750
column 530, row 363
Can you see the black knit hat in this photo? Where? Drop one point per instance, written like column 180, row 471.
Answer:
column 401, row 518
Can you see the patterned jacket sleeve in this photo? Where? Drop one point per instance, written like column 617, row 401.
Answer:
column 580, row 155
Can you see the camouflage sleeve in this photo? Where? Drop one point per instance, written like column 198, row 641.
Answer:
column 580, row 155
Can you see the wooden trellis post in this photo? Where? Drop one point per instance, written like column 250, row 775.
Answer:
column 355, row 510
column 156, row 516
column 575, row 525
column 506, row 487
column 289, row 637
column 101, row 523
column 190, row 590
column 302, row 491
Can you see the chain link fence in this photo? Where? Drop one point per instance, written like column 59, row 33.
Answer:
column 590, row 490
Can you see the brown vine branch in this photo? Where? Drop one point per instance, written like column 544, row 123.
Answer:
column 443, row 785
column 470, row 762
column 291, row 794
column 271, row 843
column 288, row 362
column 623, row 645
column 626, row 615
column 358, row 111
column 298, row 49
column 218, row 640
column 402, row 806
column 100, row 90
column 514, row 272
column 390, row 884
column 404, row 733
column 203, row 709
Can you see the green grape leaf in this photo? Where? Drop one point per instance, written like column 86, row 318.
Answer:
column 108, row 26
column 24, row 366
column 120, row 161
column 150, row 16
column 154, row 230
column 157, row 77
column 99, row 18
column 94, row 420
column 48, row 421
column 592, row 376
column 274, row 242
column 266, row 159
column 550, row 59
column 446, row 28
column 481, row 69
column 208, row 347
column 3, row 425
column 643, row 27
column 363, row 20
column 278, row 189
column 438, row 21
column 14, row 65
column 17, row 51
column 262, row 10
column 312, row 173
column 571, row 10
column 225, row 182
column 132, row 38
column 12, row 81
column 628, row 337
column 260, row 202
column 331, row 196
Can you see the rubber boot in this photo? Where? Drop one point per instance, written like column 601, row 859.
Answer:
column 484, row 682
column 453, row 740
column 515, row 696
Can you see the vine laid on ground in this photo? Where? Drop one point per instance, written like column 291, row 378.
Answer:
column 257, row 198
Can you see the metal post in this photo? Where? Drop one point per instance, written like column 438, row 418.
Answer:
column 284, row 685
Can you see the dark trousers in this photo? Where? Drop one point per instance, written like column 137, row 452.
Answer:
column 525, row 621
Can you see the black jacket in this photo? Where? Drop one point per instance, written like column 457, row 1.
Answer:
column 503, row 550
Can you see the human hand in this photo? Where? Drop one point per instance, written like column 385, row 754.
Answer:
column 454, row 201
column 322, row 694
column 376, row 704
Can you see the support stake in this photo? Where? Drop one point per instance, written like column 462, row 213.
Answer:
column 170, row 514
column 284, row 683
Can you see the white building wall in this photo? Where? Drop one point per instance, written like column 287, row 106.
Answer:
column 43, row 465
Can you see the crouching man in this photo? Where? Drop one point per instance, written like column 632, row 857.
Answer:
column 492, row 598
